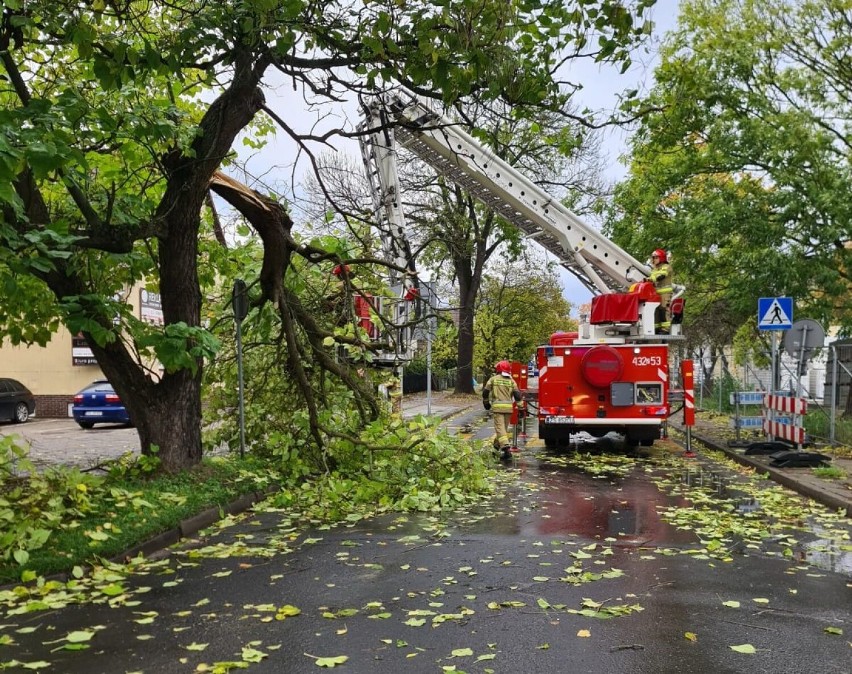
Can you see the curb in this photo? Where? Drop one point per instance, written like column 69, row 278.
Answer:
column 208, row 517
column 192, row 525
column 777, row 475
column 158, row 545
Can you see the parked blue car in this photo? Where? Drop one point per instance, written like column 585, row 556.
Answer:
column 98, row 403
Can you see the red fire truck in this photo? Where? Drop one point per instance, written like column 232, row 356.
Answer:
column 614, row 374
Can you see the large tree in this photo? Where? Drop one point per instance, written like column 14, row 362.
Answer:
column 520, row 306
column 117, row 117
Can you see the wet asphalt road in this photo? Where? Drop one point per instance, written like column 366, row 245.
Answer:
column 501, row 587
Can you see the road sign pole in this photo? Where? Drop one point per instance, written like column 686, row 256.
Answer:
column 240, row 392
column 800, row 391
column 737, row 413
column 239, row 298
column 834, row 390
column 774, row 381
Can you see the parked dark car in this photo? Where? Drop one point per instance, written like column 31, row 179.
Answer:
column 98, row 403
column 16, row 401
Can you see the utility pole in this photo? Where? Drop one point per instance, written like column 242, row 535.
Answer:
column 240, row 304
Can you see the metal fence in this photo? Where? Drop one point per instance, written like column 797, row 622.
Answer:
column 415, row 383
column 825, row 421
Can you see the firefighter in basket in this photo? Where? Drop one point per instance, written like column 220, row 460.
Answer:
column 497, row 395
column 661, row 277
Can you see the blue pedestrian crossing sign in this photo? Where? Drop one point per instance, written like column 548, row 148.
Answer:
column 775, row 313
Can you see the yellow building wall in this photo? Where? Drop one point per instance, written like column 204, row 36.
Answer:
column 49, row 371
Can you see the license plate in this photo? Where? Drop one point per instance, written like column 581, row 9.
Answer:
column 559, row 420
column 94, row 414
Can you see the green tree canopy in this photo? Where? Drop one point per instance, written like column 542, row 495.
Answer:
column 743, row 170
column 520, row 306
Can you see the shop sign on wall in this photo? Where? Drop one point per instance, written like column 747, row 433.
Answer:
column 81, row 354
column 150, row 307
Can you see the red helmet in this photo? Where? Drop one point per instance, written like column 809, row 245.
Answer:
column 660, row 253
column 503, row 367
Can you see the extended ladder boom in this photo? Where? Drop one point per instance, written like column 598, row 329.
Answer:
column 601, row 266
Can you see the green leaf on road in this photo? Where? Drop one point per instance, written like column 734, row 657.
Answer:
column 79, row 636
column 331, row 661
column 744, row 648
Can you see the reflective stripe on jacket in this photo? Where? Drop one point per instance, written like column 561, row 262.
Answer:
column 500, row 390
column 661, row 277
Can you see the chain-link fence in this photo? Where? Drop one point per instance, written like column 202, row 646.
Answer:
column 824, row 382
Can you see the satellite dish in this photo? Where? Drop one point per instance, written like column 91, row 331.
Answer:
column 803, row 338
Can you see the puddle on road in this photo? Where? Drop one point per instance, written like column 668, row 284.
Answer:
column 723, row 488
column 810, row 541
column 555, row 501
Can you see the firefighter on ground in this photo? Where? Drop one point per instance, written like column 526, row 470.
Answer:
column 497, row 395
column 661, row 277
column 393, row 388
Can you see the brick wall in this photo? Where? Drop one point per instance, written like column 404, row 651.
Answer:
column 53, row 406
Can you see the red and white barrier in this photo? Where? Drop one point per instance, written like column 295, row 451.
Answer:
column 688, row 393
column 785, row 404
column 792, row 432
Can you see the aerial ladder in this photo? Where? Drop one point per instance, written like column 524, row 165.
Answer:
column 613, row 374
column 394, row 315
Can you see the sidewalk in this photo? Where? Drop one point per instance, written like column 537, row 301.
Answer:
column 442, row 404
column 835, row 494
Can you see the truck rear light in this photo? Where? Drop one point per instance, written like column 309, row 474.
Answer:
column 653, row 411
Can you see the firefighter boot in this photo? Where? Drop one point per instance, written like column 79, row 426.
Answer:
column 506, row 454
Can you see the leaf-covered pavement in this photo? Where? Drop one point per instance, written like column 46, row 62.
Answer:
column 607, row 562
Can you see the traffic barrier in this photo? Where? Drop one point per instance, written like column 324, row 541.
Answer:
column 795, row 434
column 688, row 394
column 740, row 421
column 786, row 404
column 687, row 372
column 774, row 427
